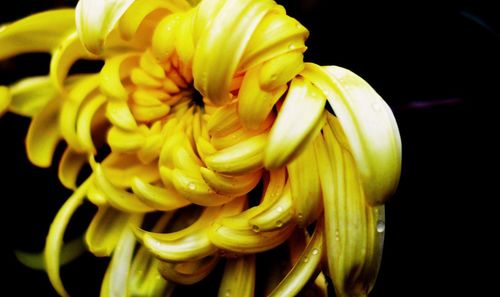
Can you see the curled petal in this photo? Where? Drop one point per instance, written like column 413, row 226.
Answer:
column 44, row 135
column 69, row 167
column 55, row 236
column 41, row 32
column 295, row 125
column 222, row 44
column 96, row 18
column 369, row 126
column 304, row 268
column 105, row 230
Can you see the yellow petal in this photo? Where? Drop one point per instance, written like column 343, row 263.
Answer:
column 114, row 70
column 43, row 135
column 55, row 237
column 96, row 18
column 239, row 277
column 69, row 252
column 254, row 103
column 119, row 198
column 30, row 95
column 304, row 268
column 90, row 115
column 63, row 57
column 280, row 70
column 306, row 189
column 5, row 99
column 118, row 269
column 222, row 44
column 287, row 35
column 164, row 38
column 369, row 126
column 188, row 272
column 119, row 114
column 239, row 158
column 137, row 12
column 71, row 106
column 41, row 32
column 105, row 230
column 294, row 127
column 158, row 197
column 69, row 167
column 120, row 169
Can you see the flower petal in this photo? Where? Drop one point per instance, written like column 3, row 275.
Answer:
column 222, row 44
column 69, row 167
column 369, row 126
column 31, row 94
column 295, row 125
column 118, row 270
column 96, row 18
column 68, row 52
column 41, row 32
column 105, row 230
column 44, row 135
column 239, row 277
column 5, row 99
column 55, row 236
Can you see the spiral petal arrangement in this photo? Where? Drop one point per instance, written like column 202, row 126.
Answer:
column 208, row 115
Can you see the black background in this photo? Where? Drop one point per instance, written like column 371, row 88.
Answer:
column 437, row 64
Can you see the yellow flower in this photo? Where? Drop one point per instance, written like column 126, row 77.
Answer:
column 208, row 115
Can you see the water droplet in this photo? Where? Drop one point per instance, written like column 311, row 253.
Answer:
column 291, row 46
column 380, row 226
column 255, row 228
column 279, row 223
column 306, row 259
column 337, row 235
column 376, row 106
column 315, row 251
column 279, row 209
column 300, row 218
column 228, row 293
column 191, row 186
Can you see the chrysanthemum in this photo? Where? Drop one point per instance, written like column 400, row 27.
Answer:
column 208, row 115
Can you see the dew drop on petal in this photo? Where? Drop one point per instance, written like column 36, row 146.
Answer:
column 279, row 223
column 255, row 228
column 306, row 259
column 279, row 209
column 227, row 293
column 191, row 186
column 315, row 251
column 337, row 235
column 380, row 226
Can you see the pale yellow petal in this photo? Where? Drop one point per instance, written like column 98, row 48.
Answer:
column 295, row 125
column 96, row 18
column 369, row 127
column 105, row 230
